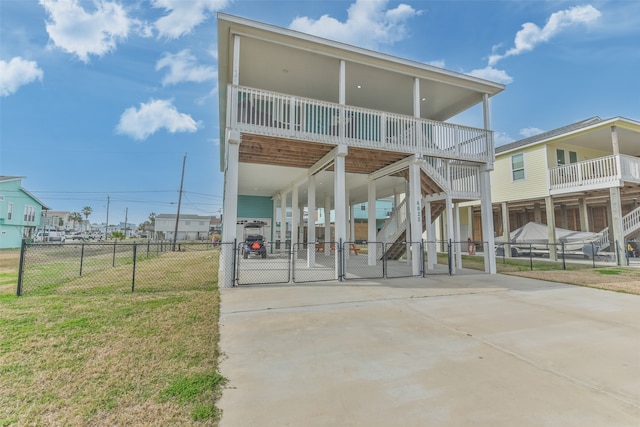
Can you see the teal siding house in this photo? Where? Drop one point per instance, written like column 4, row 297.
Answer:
column 20, row 212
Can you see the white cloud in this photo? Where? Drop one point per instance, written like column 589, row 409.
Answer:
column 531, row 35
column 492, row 74
column 17, row 72
column 368, row 24
column 153, row 116
column 183, row 67
column 74, row 30
column 184, row 15
column 501, row 138
column 527, row 132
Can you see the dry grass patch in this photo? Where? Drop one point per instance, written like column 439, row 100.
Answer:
column 109, row 359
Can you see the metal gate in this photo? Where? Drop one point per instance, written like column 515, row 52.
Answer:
column 256, row 267
column 314, row 262
column 363, row 260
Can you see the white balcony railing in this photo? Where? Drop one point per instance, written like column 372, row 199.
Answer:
column 277, row 114
column 602, row 172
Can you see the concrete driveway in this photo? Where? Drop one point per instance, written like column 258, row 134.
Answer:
column 468, row 350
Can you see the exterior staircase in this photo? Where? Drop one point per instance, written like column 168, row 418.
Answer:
column 432, row 181
column 630, row 226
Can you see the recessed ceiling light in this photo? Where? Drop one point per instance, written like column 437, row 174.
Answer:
column 359, row 86
column 424, row 99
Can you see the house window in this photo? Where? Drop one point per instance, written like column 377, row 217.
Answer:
column 517, row 167
column 29, row 213
column 560, row 157
column 10, row 212
column 573, row 157
column 363, row 208
column 187, row 223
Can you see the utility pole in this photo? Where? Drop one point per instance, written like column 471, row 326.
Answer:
column 175, row 233
column 126, row 215
column 106, row 227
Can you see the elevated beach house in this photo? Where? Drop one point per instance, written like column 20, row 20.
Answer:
column 309, row 123
column 584, row 176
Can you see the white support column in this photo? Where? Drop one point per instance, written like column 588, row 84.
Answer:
column 235, row 76
column 616, row 222
column 415, row 205
column 283, row 220
column 371, row 222
column 229, row 210
column 614, row 141
column 537, row 213
column 431, row 238
column 311, row 222
column 449, row 210
column 274, row 215
column 295, row 216
column 584, row 214
column 457, row 237
column 340, row 217
column 486, row 212
column 327, row 224
column 551, row 228
column 342, row 91
column 506, row 229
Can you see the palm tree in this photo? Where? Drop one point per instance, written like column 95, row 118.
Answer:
column 86, row 211
column 75, row 217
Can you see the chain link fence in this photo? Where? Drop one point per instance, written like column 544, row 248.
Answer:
column 153, row 266
column 117, row 266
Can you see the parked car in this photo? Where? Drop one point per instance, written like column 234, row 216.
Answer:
column 77, row 236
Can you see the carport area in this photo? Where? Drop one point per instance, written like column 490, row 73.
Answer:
column 465, row 350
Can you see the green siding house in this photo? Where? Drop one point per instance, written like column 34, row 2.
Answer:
column 20, row 212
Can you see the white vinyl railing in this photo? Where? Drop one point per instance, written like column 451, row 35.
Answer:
column 630, row 224
column 277, row 114
column 465, row 181
column 603, row 171
column 395, row 225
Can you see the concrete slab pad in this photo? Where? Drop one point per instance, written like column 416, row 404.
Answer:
column 481, row 350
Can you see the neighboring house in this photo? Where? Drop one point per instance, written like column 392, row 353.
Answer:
column 308, row 123
column 20, row 212
column 56, row 220
column 190, row 227
column 584, row 176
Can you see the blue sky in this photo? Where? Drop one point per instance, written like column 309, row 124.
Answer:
column 104, row 97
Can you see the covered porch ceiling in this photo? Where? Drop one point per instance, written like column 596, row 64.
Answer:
column 270, row 165
column 599, row 137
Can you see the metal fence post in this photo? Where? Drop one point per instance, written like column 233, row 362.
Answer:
column 564, row 262
column 133, row 275
column 234, row 266
column 531, row 256
column 113, row 261
column 81, row 258
column 340, row 261
column 617, row 253
column 424, row 269
column 593, row 255
column 23, row 248
column 449, row 257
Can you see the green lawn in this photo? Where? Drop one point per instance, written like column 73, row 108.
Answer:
column 110, row 358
